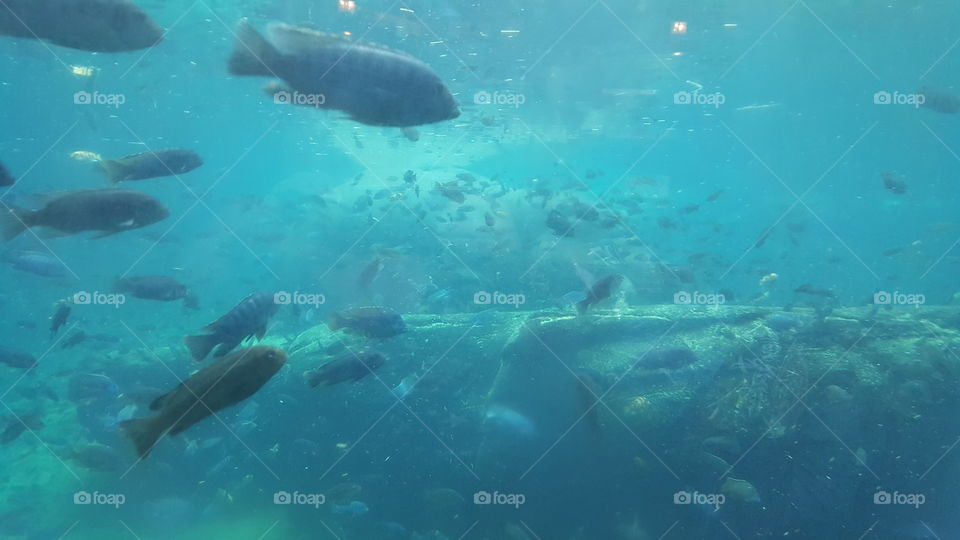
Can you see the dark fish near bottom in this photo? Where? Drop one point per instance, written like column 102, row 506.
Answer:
column 349, row 367
column 228, row 381
column 373, row 321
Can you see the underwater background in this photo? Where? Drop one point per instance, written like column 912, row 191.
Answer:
column 676, row 270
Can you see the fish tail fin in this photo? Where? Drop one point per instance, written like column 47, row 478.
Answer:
column 113, row 170
column 13, row 221
column 200, row 346
column 143, row 433
column 252, row 53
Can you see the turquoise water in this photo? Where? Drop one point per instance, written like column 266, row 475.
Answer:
column 730, row 152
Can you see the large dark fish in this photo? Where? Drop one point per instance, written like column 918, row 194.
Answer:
column 247, row 319
column 6, row 179
column 600, row 290
column 228, row 381
column 349, row 367
column 59, row 318
column 89, row 25
column 109, row 211
column 373, row 322
column 161, row 288
column 17, row 359
column 374, row 85
column 16, row 426
column 939, row 101
column 156, row 164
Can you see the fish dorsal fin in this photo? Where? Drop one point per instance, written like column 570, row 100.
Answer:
column 291, row 39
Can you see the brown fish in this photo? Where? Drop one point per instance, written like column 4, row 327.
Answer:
column 228, row 381
column 109, row 211
column 600, row 290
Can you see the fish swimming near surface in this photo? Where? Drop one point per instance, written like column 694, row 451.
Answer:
column 247, row 319
column 372, row 321
column 349, row 367
column 601, row 290
column 88, row 25
column 156, row 164
column 6, row 179
column 109, row 211
column 374, row 85
column 228, row 381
